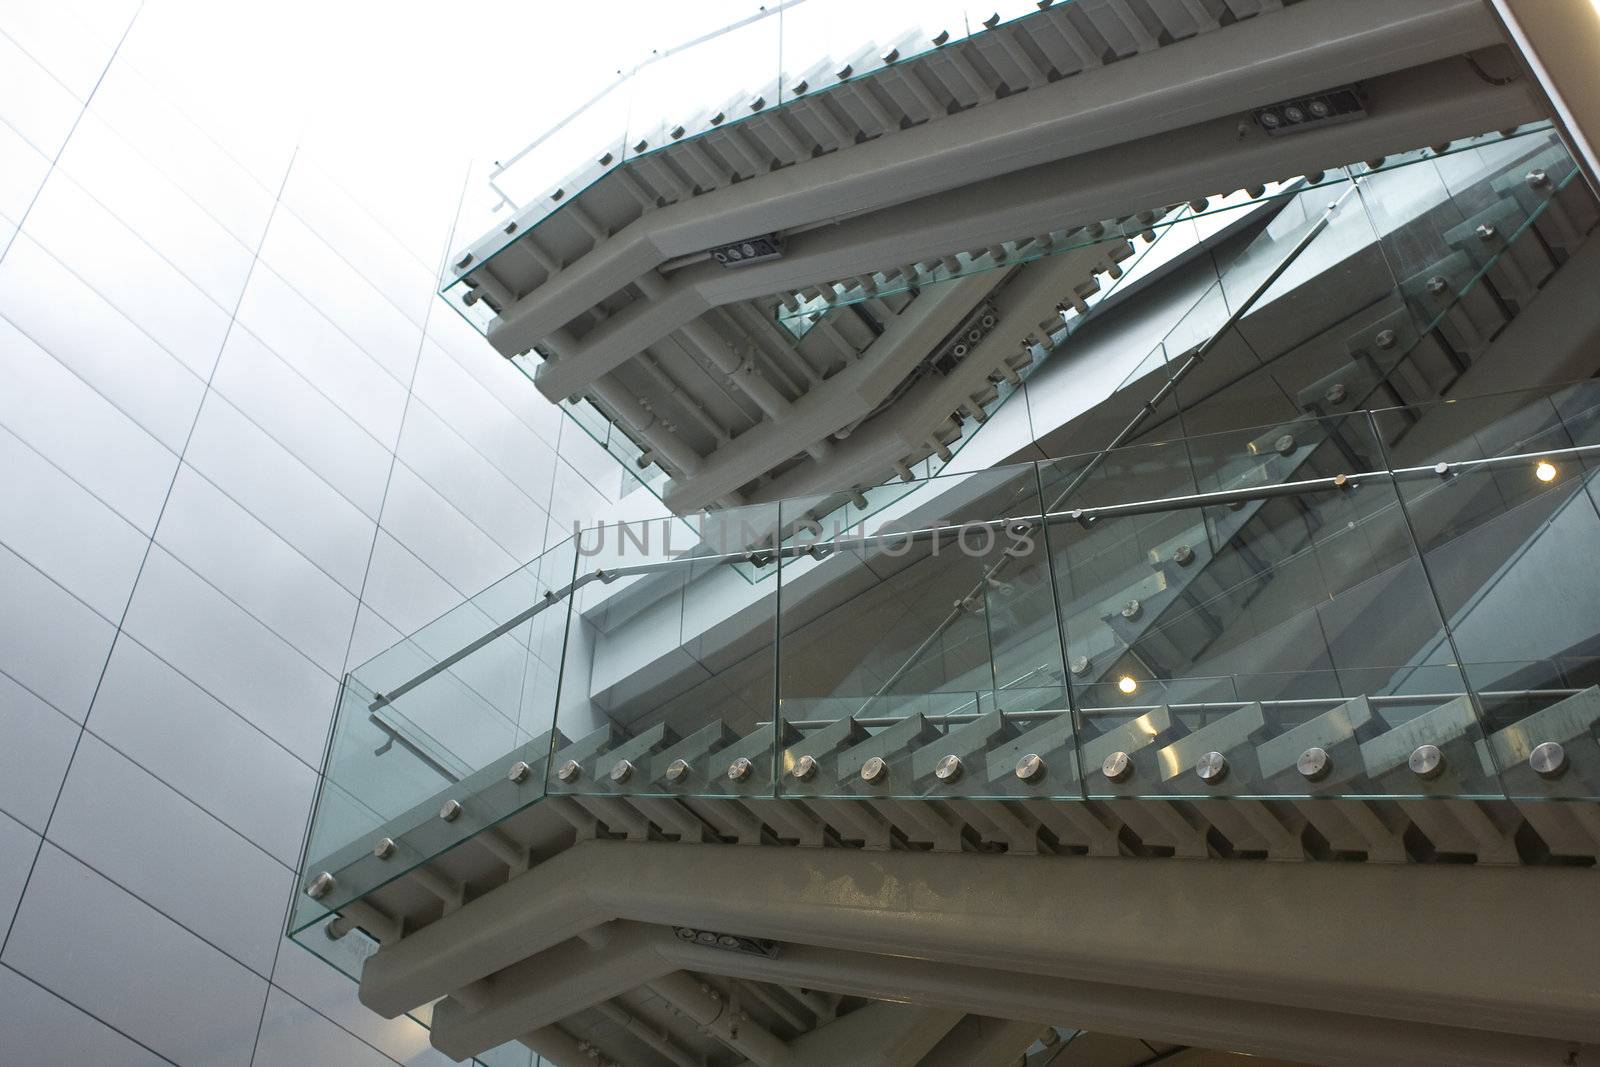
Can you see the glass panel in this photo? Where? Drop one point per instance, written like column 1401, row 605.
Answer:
column 710, row 91
column 667, row 688
column 1230, row 625
column 1508, row 534
column 915, row 639
column 826, row 42
column 441, row 717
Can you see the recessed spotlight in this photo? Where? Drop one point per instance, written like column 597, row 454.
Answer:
column 1128, row 684
column 1545, row 471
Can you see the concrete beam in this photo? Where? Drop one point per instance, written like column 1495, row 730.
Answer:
column 983, row 1041
column 1327, row 1036
column 1303, row 48
column 1438, row 102
column 1406, row 943
column 878, row 1035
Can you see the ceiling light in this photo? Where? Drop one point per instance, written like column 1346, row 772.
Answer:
column 1545, row 471
column 1127, row 684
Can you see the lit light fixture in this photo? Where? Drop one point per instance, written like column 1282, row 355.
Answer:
column 1128, row 684
column 1545, row 471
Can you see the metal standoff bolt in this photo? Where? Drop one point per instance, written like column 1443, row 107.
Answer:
column 1030, row 768
column 1212, row 767
column 677, row 770
column 621, row 771
column 320, row 886
column 1385, row 339
column 1437, row 284
column 804, row 768
column 1442, row 469
column 1132, row 609
column 464, row 262
column 876, row 769
column 450, row 810
column 569, row 771
column 1486, row 232
column 1284, row 445
column 1117, row 766
column 519, row 772
column 1336, row 394
column 1342, row 480
column 1183, row 555
column 1079, row 665
column 1537, row 178
column 740, row 769
column 1314, row 764
column 1426, row 761
column 948, row 769
column 1548, row 760
column 384, row 848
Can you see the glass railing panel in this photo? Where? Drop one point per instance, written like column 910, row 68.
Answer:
column 1507, row 527
column 667, row 686
column 704, row 90
column 1542, row 719
column 426, row 734
column 1273, row 553
column 911, row 630
column 1465, row 238
column 826, row 42
column 1337, row 733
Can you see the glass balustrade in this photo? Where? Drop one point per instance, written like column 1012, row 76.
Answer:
column 1375, row 592
column 1387, row 604
column 1300, row 566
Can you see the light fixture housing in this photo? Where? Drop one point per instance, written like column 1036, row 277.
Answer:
column 750, row 250
column 1330, row 107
